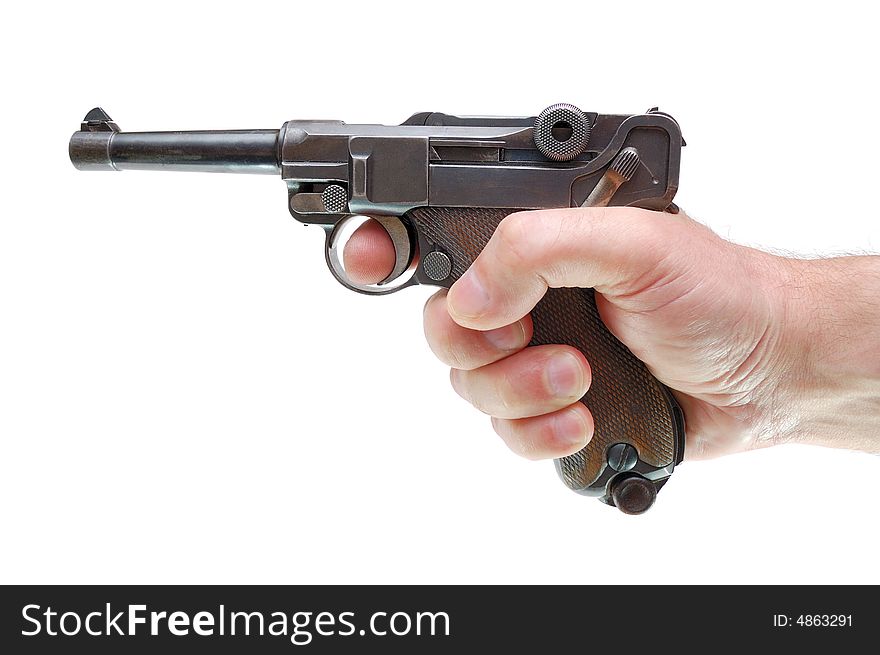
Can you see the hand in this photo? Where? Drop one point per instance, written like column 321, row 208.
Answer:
column 742, row 337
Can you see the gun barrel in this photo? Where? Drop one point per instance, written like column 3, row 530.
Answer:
column 223, row 151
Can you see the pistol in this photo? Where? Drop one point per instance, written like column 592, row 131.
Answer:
column 439, row 185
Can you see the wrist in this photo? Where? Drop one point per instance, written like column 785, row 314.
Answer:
column 831, row 324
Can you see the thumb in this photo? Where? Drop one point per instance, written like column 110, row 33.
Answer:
column 619, row 251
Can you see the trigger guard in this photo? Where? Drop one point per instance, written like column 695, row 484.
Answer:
column 402, row 241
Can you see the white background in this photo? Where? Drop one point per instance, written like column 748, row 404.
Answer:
column 186, row 394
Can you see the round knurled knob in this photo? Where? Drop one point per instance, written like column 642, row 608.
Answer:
column 562, row 132
column 437, row 265
column 633, row 494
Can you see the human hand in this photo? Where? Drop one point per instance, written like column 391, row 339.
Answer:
column 739, row 335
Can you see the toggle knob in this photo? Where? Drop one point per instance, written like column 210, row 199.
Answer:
column 562, row 132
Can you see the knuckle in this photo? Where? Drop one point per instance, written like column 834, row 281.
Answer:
column 493, row 394
column 515, row 238
column 459, row 384
column 465, row 386
column 586, row 221
column 616, row 218
column 448, row 350
column 456, row 356
column 524, row 451
column 533, row 439
column 652, row 227
column 625, row 214
column 481, row 406
column 443, row 341
column 503, row 398
column 529, row 450
column 514, row 438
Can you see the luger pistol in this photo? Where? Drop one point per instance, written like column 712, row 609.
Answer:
column 440, row 185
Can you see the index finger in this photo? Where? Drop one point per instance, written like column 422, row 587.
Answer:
column 368, row 255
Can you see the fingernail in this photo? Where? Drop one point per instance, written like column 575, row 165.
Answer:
column 469, row 295
column 570, row 427
column 509, row 337
column 565, row 375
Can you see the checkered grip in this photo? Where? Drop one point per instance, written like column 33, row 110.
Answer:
column 628, row 404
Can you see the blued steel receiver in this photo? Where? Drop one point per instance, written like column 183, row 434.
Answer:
column 440, row 185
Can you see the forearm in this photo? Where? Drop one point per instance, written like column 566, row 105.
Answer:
column 833, row 327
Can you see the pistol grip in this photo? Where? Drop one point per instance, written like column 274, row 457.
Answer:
column 629, row 405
